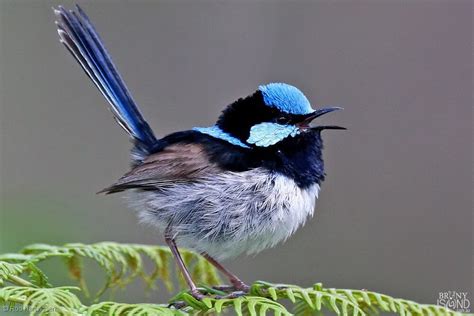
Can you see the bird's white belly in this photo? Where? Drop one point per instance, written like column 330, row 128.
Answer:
column 231, row 213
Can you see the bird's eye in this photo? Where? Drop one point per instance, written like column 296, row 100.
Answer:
column 282, row 120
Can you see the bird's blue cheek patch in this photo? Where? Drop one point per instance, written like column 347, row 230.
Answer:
column 267, row 134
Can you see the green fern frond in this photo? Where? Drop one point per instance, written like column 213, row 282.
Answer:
column 249, row 304
column 112, row 308
column 122, row 263
column 42, row 301
column 312, row 299
column 24, row 284
column 9, row 270
column 370, row 303
column 381, row 302
column 37, row 277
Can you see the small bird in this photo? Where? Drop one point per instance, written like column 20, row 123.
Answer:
column 240, row 186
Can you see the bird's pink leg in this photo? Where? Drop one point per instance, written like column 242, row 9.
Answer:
column 237, row 283
column 187, row 277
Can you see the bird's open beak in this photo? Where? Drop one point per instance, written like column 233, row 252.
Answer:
column 308, row 118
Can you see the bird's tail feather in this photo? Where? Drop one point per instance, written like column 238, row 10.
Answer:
column 77, row 33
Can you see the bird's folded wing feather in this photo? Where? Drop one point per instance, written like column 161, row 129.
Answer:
column 174, row 164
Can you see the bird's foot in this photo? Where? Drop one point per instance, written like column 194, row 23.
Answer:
column 224, row 288
column 179, row 302
column 237, row 286
column 231, row 295
column 197, row 295
column 240, row 286
column 226, row 292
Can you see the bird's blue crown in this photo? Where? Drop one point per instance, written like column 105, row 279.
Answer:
column 285, row 98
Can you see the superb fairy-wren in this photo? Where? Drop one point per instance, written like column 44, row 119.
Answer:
column 240, row 186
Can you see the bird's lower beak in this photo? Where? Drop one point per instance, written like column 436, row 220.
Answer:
column 308, row 118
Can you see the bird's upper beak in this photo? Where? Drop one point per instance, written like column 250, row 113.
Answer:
column 308, row 118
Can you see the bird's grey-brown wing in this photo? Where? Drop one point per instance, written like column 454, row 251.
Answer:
column 174, row 164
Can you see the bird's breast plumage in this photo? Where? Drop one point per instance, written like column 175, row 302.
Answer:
column 229, row 213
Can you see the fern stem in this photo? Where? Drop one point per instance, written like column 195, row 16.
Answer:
column 21, row 282
column 85, row 289
column 16, row 300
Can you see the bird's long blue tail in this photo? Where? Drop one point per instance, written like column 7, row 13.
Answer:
column 78, row 34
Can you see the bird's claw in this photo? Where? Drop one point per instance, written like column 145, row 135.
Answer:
column 240, row 286
column 237, row 286
column 177, row 304
column 224, row 288
column 197, row 295
column 231, row 295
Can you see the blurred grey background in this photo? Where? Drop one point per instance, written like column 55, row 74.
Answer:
column 395, row 214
